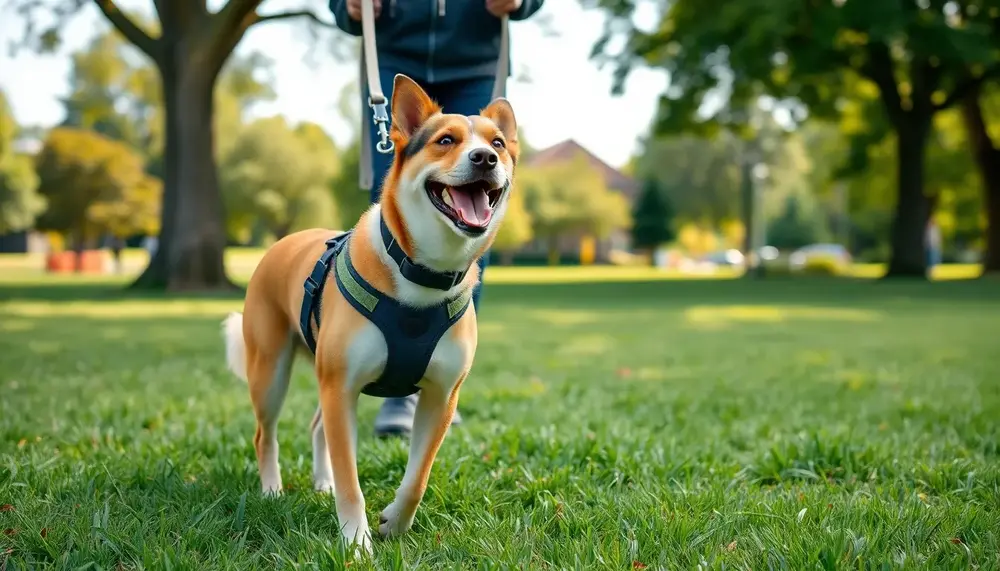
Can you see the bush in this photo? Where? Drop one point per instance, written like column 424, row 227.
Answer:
column 822, row 266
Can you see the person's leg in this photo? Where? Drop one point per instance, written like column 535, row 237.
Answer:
column 466, row 97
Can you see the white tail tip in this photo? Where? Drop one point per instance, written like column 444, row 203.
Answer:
column 236, row 352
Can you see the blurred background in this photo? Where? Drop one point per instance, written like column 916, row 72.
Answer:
column 742, row 312
column 697, row 137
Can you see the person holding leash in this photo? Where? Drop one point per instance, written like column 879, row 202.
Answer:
column 457, row 51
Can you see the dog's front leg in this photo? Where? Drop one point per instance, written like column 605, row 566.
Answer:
column 435, row 409
column 339, row 404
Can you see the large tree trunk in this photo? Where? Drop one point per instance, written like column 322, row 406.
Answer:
column 192, row 237
column 909, row 227
column 987, row 157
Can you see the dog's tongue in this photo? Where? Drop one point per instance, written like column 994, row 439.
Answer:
column 472, row 206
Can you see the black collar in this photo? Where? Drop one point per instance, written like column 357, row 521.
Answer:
column 416, row 273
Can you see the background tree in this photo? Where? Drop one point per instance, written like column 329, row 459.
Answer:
column 798, row 225
column 920, row 58
column 984, row 142
column 515, row 230
column 570, row 198
column 94, row 186
column 19, row 201
column 277, row 175
column 189, row 45
column 652, row 218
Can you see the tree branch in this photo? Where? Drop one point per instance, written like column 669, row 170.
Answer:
column 879, row 69
column 308, row 14
column 133, row 33
column 968, row 86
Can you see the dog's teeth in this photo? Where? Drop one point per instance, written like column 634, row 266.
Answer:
column 446, row 197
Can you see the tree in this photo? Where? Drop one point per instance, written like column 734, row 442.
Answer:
column 189, row 48
column 699, row 175
column 797, row 226
column 986, row 152
column 94, row 186
column 19, row 201
column 274, row 174
column 653, row 218
column 918, row 58
column 568, row 198
column 515, row 229
column 350, row 198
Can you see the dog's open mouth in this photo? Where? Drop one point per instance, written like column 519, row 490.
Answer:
column 469, row 206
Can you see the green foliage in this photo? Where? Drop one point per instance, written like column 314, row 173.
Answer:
column 515, row 230
column 94, row 186
column 351, row 199
column 821, row 266
column 797, row 225
column 117, row 92
column 571, row 197
column 278, row 175
column 20, row 202
column 700, row 176
column 652, row 217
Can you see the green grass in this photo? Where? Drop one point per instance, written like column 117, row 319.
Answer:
column 813, row 424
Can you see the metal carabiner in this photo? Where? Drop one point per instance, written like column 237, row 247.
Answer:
column 381, row 118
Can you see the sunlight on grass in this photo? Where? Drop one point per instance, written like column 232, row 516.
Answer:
column 775, row 314
column 126, row 309
column 587, row 345
column 562, row 317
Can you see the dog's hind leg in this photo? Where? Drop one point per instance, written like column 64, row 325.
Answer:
column 322, row 470
column 270, row 349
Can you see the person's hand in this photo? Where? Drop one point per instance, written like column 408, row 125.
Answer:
column 501, row 8
column 354, row 8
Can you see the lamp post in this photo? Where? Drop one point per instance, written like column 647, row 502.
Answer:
column 753, row 174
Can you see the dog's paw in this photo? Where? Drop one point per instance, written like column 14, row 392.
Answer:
column 324, row 486
column 392, row 522
column 360, row 540
column 272, row 491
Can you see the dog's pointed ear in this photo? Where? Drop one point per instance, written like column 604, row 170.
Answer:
column 502, row 114
column 411, row 106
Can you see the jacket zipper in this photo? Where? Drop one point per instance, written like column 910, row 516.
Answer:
column 392, row 8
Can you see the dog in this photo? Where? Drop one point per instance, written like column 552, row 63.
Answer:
column 399, row 319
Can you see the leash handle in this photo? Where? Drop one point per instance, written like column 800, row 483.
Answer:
column 376, row 99
column 503, row 63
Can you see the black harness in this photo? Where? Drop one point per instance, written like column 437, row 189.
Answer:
column 411, row 334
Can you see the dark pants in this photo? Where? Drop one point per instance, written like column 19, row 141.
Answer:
column 466, row 97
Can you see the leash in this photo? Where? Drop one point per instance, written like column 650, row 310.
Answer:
column 377, row 99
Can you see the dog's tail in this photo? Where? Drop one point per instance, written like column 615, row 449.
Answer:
column 236, row 349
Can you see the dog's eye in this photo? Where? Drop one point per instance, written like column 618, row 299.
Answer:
column 446, row 140
column 498, row 143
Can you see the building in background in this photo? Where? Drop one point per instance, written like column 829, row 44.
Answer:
column 573, row 247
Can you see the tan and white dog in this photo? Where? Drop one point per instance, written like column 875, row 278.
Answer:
column 443, row 201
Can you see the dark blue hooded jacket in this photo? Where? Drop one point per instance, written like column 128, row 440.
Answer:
column 434, row 41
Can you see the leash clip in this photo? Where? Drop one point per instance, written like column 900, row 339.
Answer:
column 381, row 118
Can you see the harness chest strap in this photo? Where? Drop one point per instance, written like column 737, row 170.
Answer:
column 409, row 352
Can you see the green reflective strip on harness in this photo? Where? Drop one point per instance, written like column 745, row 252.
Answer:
column 359, row 293
column 459, row 303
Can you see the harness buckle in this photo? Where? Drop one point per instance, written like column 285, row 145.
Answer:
column 380, row 116
column 310, row 286
column 459, row 276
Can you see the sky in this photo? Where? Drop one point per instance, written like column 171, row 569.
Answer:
column 568, row 97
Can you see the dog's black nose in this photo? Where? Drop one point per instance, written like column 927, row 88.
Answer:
column 483, row 158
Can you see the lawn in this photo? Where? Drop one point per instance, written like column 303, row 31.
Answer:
column 813, row 424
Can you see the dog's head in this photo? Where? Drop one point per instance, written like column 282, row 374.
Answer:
column 452, row 174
